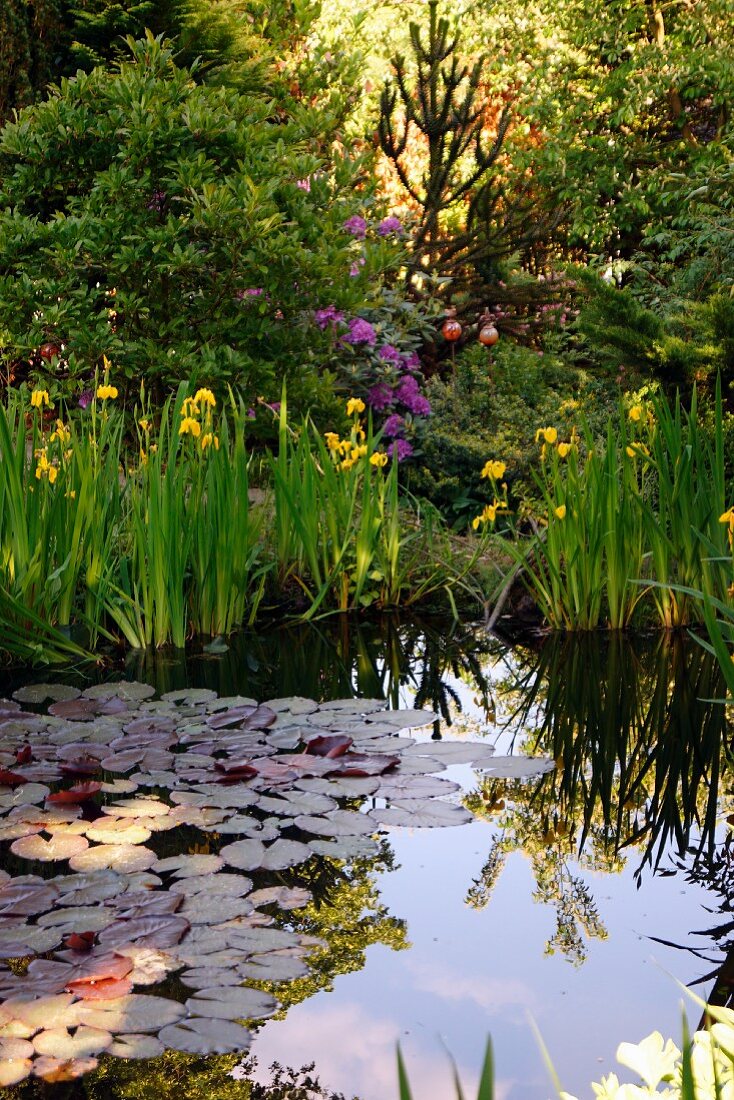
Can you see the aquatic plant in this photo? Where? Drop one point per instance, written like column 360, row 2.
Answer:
column 628, row 524
column 265, row 788
column 343, row 533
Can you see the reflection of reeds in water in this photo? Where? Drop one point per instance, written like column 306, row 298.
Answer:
column 337, row 658
column 638, row 738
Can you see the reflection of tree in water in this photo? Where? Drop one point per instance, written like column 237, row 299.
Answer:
column 348, row 916
column 336, row 658
column 638, row 744
column 176, row 1076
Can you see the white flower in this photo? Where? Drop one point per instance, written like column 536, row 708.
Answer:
column 653, row 1059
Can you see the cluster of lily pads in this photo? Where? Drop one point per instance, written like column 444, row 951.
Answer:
column 101, row 779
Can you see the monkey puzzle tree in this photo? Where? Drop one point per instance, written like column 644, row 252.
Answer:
column 444, row 138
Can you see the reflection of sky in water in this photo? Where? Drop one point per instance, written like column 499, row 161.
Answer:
column 470, row 973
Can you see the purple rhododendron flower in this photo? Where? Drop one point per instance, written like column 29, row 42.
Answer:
column 389, row 226
column 393, row 426
column 251, row 292
column 330, row 315
column 380, row 397
column 251, row 414
column 360, row 332
column 356, row 226
column 389, row 353
column 409, row 393
column 85, row 399
column 401, row 449
column 410, row 362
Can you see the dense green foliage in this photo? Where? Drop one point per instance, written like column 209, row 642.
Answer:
column 162, row 223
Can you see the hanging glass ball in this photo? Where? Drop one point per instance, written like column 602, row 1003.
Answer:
column 49, row 351
column 451, row 330
column 488, row 335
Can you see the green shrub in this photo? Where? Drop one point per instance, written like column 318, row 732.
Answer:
column 182, row 230
column 492, row 410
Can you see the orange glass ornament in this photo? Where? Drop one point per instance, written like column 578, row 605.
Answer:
column 488, row 335
column 451, row 330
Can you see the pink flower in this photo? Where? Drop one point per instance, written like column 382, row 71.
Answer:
column 304, row 184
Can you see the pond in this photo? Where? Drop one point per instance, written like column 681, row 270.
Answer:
column 574, row 902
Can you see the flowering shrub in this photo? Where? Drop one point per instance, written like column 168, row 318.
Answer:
column 179, row 241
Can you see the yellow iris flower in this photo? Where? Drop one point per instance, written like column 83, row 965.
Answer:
column 205, row 397
column 493, row 468
column 39, row 398
column 355, row 405
column 189, row 426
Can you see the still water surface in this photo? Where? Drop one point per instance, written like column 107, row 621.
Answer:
column 549, row 909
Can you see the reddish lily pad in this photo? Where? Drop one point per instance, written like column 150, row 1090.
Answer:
column 80, row 792
column 56, row 1070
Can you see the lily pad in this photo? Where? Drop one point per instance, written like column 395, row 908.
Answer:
column 417, row 813
column 56, row 1070
column 49, row 1012
column 519, row 767
column 60, row 1043
column 28, row 940
column 156, row 932
column 285, row 897
column 185, row 866
column 273, row 967
column 129, row 690
column 39, row 693
column 135, row 1046
column 77, row 918
column 137, row 1012
column 59, row 846
column 337, row 823
column 13, row 1070
column 245, row 854
column 206, row 908
column 205, row 1036
column 224, row 884
column 123, row 858
column 345, row 847
column 109, row 830
column 231, row 1003
column 204, row 977
column 285, row 853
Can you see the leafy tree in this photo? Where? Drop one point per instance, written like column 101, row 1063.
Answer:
column 30, row 40
column 180, row 230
